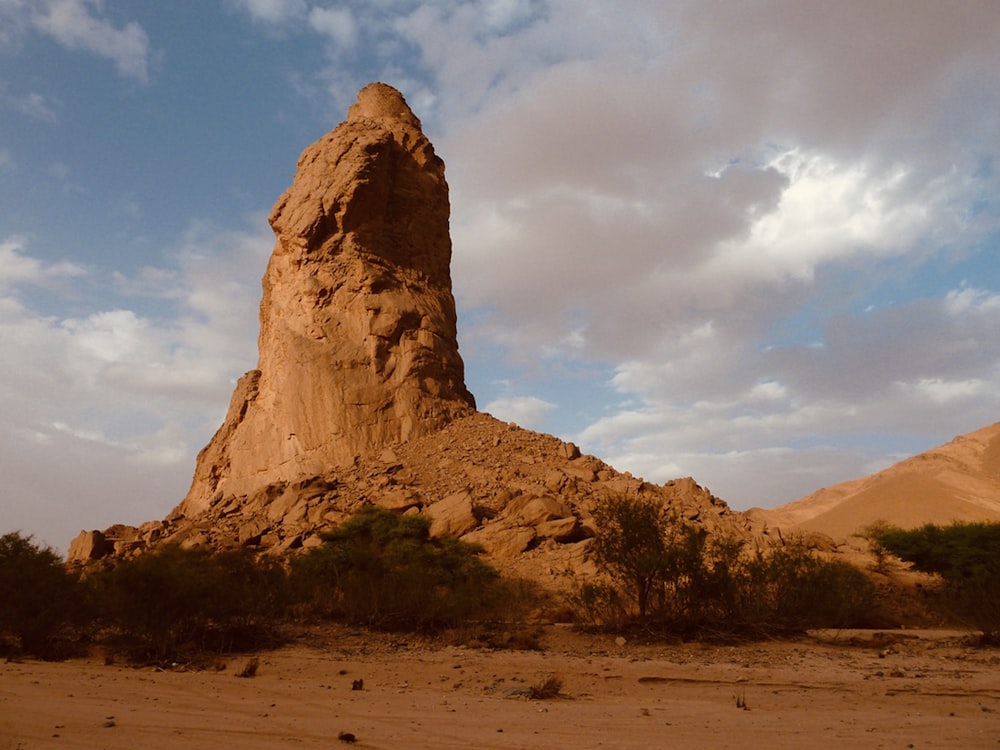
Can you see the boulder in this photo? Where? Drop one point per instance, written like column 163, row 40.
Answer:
column 536, row 510
column 89, row 545
column 501, row 541
column 452, row 516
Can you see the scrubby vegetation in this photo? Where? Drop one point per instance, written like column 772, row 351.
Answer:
column 966, row 556
column 384, row 571
column 671, row 576
column 172, row 601
column 41, row 604
column 377, row 569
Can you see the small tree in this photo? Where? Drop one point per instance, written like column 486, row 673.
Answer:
column 689, row 581
column 880, row 553
column 38, row 597
column 632, row 545
column 966, row 556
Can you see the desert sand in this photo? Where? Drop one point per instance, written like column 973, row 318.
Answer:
column 958, row 481
column 903, row 689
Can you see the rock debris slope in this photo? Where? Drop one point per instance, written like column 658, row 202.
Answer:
column 359, row 394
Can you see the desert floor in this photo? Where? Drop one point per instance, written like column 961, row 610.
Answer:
column 905, row 689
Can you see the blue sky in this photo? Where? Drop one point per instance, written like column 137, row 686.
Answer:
column 752, row 242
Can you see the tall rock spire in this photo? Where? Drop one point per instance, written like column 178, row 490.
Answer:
column 358, row 337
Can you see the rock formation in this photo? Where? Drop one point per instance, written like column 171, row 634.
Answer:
column 358, row 338
column 359, row 394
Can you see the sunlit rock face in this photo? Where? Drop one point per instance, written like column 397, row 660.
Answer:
column 359, row 393
column 358, row 341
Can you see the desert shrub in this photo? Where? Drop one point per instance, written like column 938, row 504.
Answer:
column 967, row 557
column 872, row 534
column 599, row 604
column 805, row 591
column 40, row 602
column 548, row 687
column 385, row 571
column 676, row 578
column 171, row 601
column 632, row 546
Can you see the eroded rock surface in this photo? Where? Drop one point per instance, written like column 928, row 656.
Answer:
column 359, row 394
column 358, row 338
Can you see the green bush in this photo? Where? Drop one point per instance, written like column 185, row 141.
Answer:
column 632, row 545
column 680, row 579
column 806, row 591
column 385, row 571
column 40, row 602
column 967, row 557
column 163, row 604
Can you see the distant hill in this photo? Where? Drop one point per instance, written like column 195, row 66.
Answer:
column 959, row 481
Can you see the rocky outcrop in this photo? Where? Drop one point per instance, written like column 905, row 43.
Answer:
column 359, row 393
column 527, row 498
column 358, row 337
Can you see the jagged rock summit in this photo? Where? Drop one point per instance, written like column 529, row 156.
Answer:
column 358, row 335
column 359, row 393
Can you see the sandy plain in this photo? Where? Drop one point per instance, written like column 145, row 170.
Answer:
column 903, row 689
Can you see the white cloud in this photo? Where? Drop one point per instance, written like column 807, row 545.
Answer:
column 972, row 300
column 336, row 23
column 828, row 212
column 36, row 107
column 18, row 268
column 942, row 391
column 272, row 11
column 73, row 24
column 117, row 393
column 527, row 411
column 769, row 390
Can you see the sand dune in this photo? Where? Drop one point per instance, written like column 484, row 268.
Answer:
column 959, row 481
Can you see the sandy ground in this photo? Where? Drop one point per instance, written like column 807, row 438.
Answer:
column 913, row 690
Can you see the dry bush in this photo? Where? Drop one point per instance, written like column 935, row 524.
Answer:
column 549, row 687
column 250, row 668
column 171, row 602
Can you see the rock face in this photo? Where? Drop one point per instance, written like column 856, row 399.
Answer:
column 358, row 337
column 359, row 395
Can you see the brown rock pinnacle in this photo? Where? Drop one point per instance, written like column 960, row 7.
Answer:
column 359, row 394
column 358, row 338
